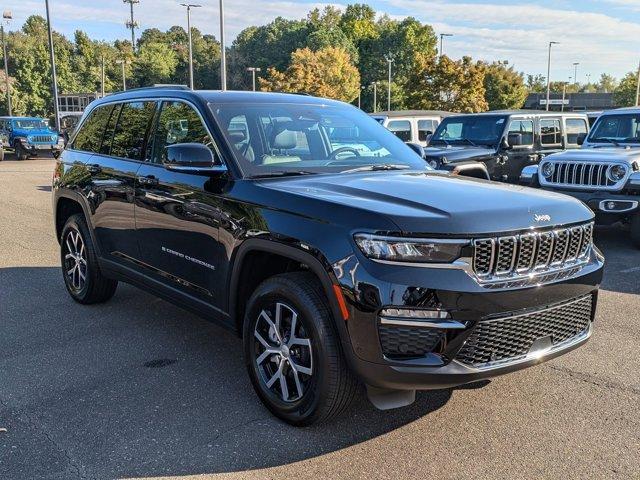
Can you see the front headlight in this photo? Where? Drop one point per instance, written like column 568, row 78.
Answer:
column 414, row 250
column 547, row 170
column 617, row 173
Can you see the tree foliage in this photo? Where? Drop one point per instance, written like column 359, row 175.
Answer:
column 625, row 93
column 328, row 72
column 504, row 87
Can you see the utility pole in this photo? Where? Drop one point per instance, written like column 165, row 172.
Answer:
column 253, row 71
column 6, row 17
column 123, row 62
column 638, row 88
column 389, row 58
column 189, row 7
column 549, row 74
column 132, row 24
column 223, row 53
column 102, row 76
column 54, row 78
column 442, row 35
column 575, row 72
column 375, row 96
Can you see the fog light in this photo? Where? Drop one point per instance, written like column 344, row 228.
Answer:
column 414, row 314
column 413, row 317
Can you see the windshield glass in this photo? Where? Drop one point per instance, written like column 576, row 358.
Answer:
column 485, row 130
column 31, row 124
column 617, row 128
column 281, row 138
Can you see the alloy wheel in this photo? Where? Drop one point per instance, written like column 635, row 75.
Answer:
column 75, row 260
column 283, row 352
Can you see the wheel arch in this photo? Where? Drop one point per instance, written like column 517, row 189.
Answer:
column 69, row 203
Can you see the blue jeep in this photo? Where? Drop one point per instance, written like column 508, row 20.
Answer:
column 28, row 136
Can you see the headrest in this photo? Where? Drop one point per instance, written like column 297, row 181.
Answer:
column 237, row 136
column 285, row 140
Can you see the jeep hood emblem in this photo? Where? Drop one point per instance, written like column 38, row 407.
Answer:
column 542, row 218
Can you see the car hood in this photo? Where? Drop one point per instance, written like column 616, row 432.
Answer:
column 428, row 202
column 608, row 154
column 24, row 132
column 458, row 153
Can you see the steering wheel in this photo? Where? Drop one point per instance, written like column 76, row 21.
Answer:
column 338, row 151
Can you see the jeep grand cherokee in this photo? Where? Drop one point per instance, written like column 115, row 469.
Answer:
column 337, row 261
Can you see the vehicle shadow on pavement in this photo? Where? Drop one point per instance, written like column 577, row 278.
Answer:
column 622, row 271
column 137, row 387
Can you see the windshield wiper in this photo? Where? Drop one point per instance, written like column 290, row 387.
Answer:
column 607, row 140
column 292, row 173
column 468, row 141
column 377, row 168
column 439, row 140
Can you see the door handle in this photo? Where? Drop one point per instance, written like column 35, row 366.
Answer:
column 94, row 168
column 148, row 180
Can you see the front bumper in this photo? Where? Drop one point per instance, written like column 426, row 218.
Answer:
column 376, row 286
column 607, row 206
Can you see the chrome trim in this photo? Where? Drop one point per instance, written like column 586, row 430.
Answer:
column 444, row 324
column 560, row 176
column 634, row 205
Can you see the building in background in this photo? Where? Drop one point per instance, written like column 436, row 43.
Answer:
column 573, row 102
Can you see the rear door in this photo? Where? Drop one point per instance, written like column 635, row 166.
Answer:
column 178, row 215
column 551, row 135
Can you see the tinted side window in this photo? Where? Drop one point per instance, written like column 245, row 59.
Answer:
column 401, row 129
column 575, row 127
column 105, row 148
column 178, row 123
column 523, row 127
column 89, row 137
column 425, row 128
column 131, row 130
column 550, row 131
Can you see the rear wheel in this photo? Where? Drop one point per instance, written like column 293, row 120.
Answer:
column 635, row 229
column 292, row 351
column 82, row 276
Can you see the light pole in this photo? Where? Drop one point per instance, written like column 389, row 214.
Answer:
column 223, row 53
column 6, row 17
column 389, row 58
column 549, row 73
column 132, row 24
column 375, row 96
column 189, row 7
column 575, row 72
column 54, row 79
column 360, row 97
column 123, row 62
column 442, row 35
column 253, row 71
column 638, row 88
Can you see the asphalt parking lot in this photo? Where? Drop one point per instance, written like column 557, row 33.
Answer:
column 138, row 388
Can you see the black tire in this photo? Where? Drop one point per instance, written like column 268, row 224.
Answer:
column 635, row 229
column 331, row 386
column 78, row 259
column 1, row 154
column 21, row 153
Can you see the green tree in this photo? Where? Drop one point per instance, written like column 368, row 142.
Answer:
column 607, row 83
column 505, row 88
column 536, row 83
column 625, row 93
column 326, row 73
column 359, row 23
column 155, row 63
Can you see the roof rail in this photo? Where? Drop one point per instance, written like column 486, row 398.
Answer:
column 157, row 87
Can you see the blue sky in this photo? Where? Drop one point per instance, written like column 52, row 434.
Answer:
column 602, row 35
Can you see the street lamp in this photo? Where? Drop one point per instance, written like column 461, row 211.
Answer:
column 223, row 53
column 442, row 35
column 253, row 71
column 54, row 79
column 575, row 72
column 123, row 62
column 189, row 7
column 6, row 18
column 549, row 73
column 375, row 96
column 389, row 58
column 360, row 97
column 638, row 87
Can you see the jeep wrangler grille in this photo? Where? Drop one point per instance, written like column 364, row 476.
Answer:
column 583, row 175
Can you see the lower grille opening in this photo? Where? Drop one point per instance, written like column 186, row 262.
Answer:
column 507, row 339
column 408, row 342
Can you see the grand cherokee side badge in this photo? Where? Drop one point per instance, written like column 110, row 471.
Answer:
column 542, row 218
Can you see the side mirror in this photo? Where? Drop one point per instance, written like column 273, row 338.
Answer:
column 194, row 158
column 581, row 138
column 416, row 148
column 512, row 140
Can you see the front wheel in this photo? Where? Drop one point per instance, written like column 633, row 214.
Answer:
column 635, row 229
column 21, row 152
column 292, row 351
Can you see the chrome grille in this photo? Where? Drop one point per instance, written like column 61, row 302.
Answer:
column 507, row 339
column 533, row 252
column 575, row 174
column 40, row 139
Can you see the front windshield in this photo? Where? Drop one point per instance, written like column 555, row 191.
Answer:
column 617, row 128
column 282, row 138
column 485, row 130
column 31, row 124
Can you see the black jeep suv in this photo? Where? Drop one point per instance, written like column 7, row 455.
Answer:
column 324, row 241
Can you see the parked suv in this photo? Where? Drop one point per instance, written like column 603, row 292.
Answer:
column 412, row 126
column 335, row 264
column 499, row 144
column 28, row 136
column 604, row 173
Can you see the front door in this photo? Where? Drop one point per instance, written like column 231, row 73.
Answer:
column 519, row 156
column 177, row 214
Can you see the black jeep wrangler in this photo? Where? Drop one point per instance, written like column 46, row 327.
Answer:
column 335, row 264
column 500, row 144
